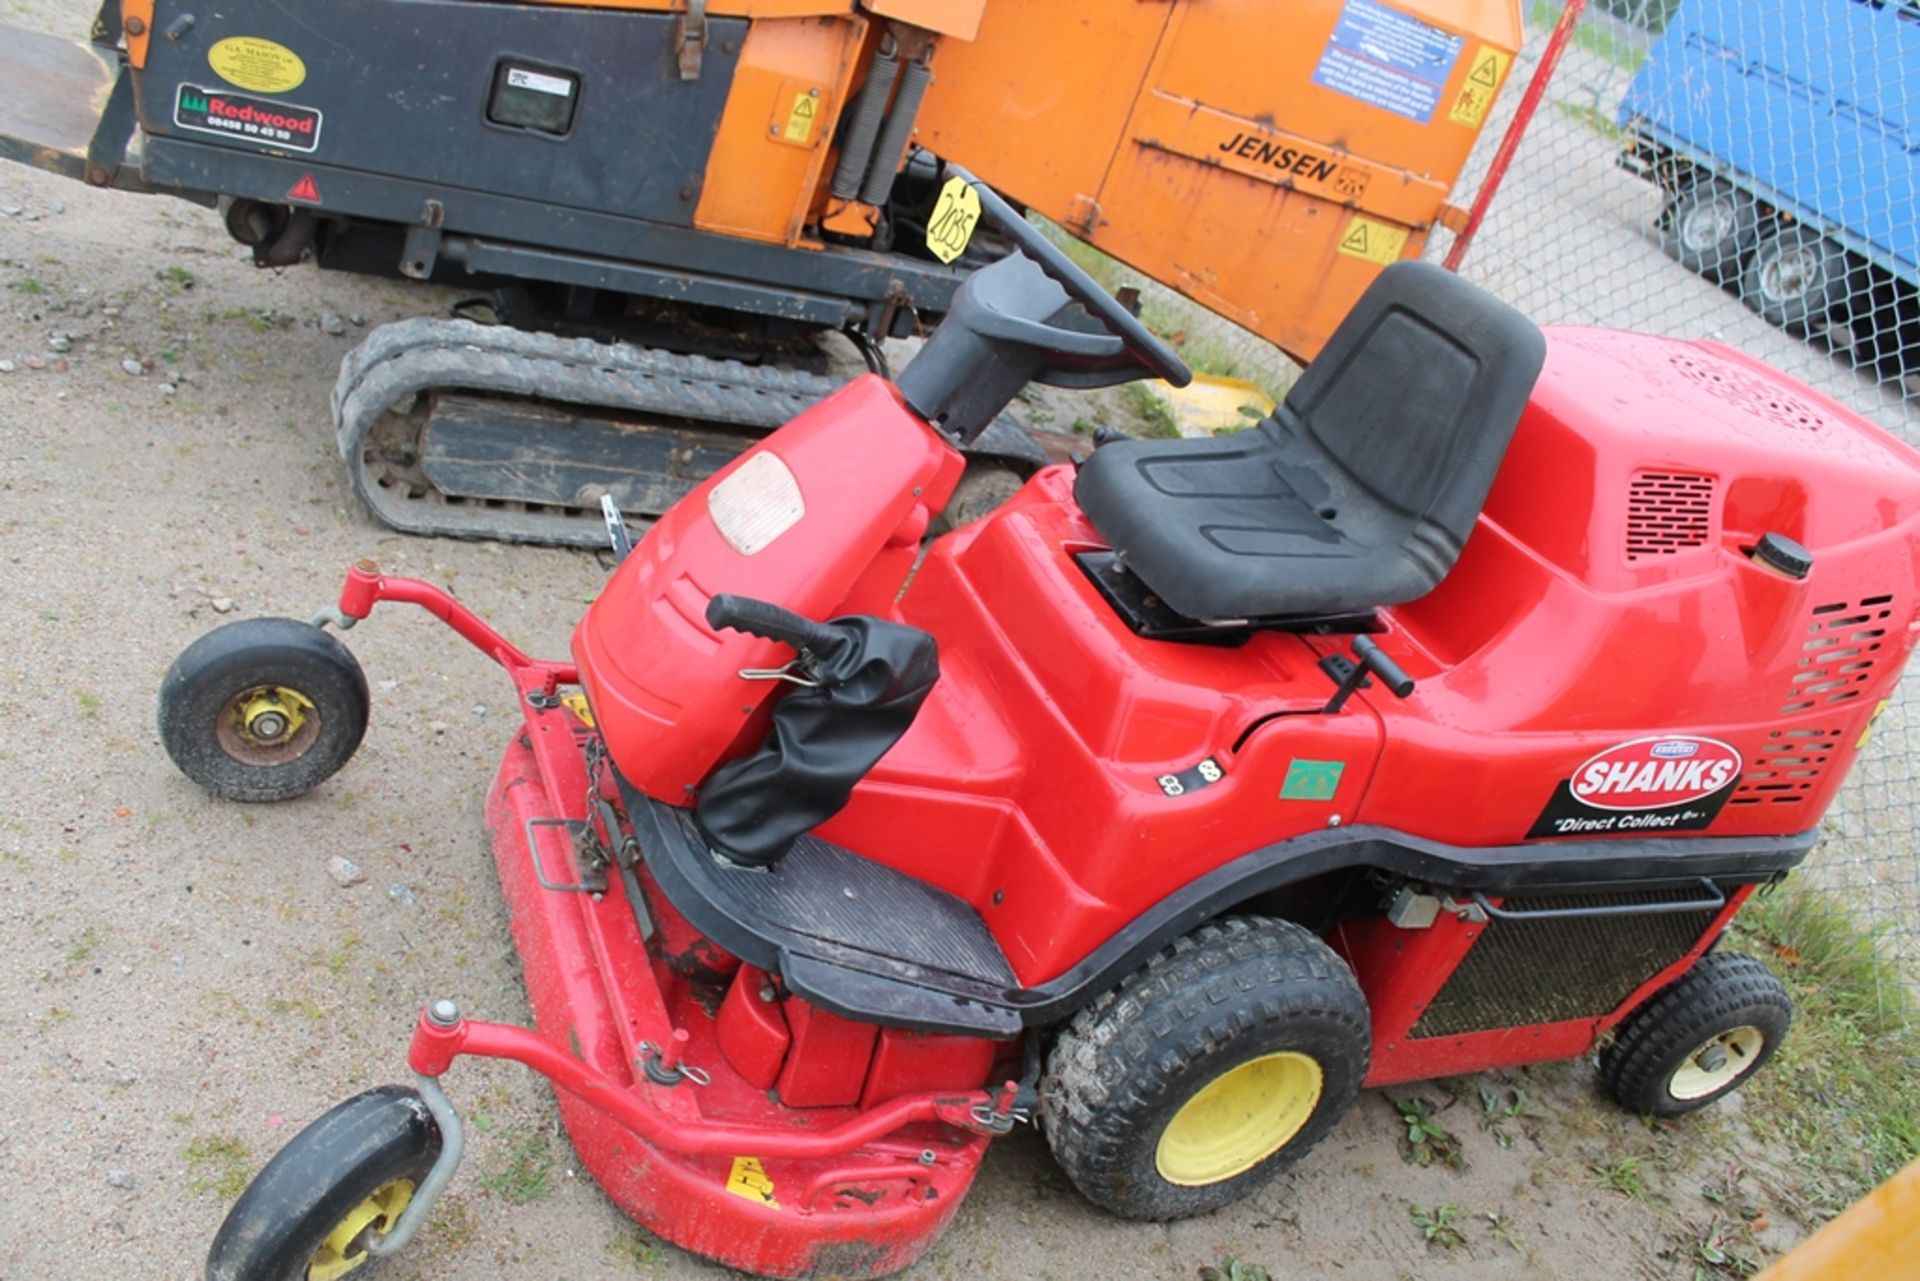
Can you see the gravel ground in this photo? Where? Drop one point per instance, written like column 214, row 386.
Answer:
column 183, row 984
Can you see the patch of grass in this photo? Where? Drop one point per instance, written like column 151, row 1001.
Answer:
column 1839, row 1093
column 179, row 276
column 1715, row 1248
column 1501, row 1103
column 259, row 319
column 638, row 1247
column 522, row 1172
column 1084, row 426
column 1427, row 1142
column 1596, row 38
column 1593, row 118
column 1156, row 419
column 1231, row 1269
column 83, row 946
column 27, row 285
column 1503, row 1233
column 338, row 959
column 89, row 703
column 1622, row 1175
column 1436, row 1225
column 217, row 1163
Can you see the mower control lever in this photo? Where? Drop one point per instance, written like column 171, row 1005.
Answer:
column 1373, row 658
column 1350, row 674
column 769, row 621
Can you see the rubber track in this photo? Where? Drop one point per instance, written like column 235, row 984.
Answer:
column 399, row 360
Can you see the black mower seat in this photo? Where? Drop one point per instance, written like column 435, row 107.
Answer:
column 1362, row 487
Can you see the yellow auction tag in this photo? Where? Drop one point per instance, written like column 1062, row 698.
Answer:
column 749, row 1179
column 1489, row 68
column 1375, row 241
column 954, row 219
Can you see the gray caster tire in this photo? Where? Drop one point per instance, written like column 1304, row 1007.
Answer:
column 341, row 1181
column 263, row 709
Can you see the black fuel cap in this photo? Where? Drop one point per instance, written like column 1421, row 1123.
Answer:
column 1777, row 551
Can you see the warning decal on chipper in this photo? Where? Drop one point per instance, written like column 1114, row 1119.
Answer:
column 1675, row 783
column 279, row 125
column 1488, row 67
column 1375, row 241
column 1388, row 59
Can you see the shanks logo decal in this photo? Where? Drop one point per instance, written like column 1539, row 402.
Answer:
column 1655, row 773
column 1673, row 783
column 280, row 126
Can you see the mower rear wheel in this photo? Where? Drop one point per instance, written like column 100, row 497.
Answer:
column 1207, row 1072
column 1698, row 1039
column 342, row 1183
column 263, row 709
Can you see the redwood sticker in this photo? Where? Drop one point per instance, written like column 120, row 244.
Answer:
column 279, row 125
column 1670, row 783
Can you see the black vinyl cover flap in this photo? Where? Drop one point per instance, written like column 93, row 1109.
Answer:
column 873, row 675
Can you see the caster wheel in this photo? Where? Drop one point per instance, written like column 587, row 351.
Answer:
column 1207, row 1072
column 263, row 710
column 1796, row 279
column 1710, row 227
column 343, row 1182
column 1697, row 1039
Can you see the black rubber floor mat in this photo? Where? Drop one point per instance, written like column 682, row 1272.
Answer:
column 854, row 936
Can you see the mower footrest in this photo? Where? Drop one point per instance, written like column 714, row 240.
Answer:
column 846, row 933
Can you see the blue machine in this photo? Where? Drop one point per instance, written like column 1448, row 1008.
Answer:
column 1786, row 134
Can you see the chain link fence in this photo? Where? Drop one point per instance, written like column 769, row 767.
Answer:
column 1747, row 171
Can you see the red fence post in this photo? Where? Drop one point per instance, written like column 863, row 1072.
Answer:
column 1529, row 103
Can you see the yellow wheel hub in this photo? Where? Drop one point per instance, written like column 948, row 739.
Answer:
column 345, row 1247
column 1239, row 1119
column 273, row 714
column 1718, row 1063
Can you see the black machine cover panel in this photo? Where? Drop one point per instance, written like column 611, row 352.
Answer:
column 401, row 88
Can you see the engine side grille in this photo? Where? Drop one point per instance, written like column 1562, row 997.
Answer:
column 1520, row 973
column 1667, row 512
column 1787, row 767
column 1843, row 647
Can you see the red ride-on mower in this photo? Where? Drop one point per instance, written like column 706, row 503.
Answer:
column 1441, row 722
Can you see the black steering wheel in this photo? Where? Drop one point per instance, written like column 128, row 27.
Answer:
column 1137, row 344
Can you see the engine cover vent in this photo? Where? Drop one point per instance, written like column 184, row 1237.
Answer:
column 1787, row 767
column 1667, row 512
column 1843, row 647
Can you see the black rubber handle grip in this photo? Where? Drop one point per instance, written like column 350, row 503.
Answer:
column 1385, row 668
column 759, row 618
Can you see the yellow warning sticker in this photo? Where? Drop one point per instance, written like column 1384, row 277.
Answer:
column 1375, row 241
column 749, row 1179
column 953, row 221
column 1485, row 72
column 800, row 118
column 1872, row 721
column 256, row 64
column 576, row 703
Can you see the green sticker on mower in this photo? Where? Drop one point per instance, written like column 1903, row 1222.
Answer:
column 1312, row 780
